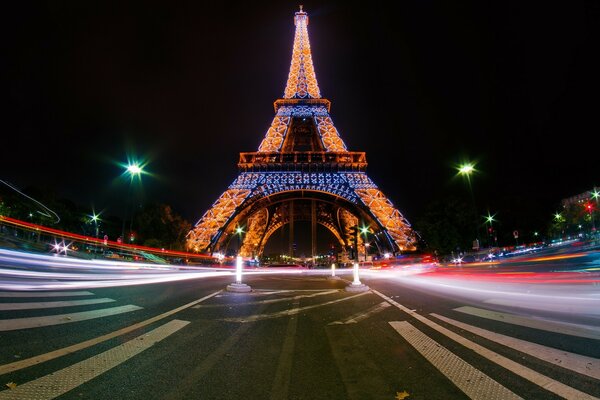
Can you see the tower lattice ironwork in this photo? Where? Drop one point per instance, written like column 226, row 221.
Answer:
column 301, row 171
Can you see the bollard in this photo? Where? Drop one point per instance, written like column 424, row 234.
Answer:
column 333, row 276
column 238, row 286
column 356, row 286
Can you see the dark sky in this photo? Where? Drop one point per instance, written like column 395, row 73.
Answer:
column 419, row 86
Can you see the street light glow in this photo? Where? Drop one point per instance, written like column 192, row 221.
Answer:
column 557, row 216
column 489, row 218
column 239, row 230
column 134, row 169
column 466, row 169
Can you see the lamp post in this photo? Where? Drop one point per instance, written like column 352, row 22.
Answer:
column 364, row 230
column 489, row 219
column 467, row 169
column 134, row 170
column 239, row 231
column 559, row 219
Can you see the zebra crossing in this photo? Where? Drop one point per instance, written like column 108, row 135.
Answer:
column 412, row 329
column 10, row 319
column 481, row 386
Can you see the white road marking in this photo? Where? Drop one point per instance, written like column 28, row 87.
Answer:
column 28, row 362
column 269, row 300
column 44, row 294
column 51, row 304
column 36, row 322
column 585, row 331
column 281, row 383
column 581, row 364
column 359, row 316
column 543, row 381
column 467, row 378
column 291, row 311
column 60, row 382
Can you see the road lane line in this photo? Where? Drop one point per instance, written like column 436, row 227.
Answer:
column 45, row 294
column 51, row 304
column 543, row 381
column 361, row 375
column 470, row 380
column 194, row 378
column 28, row 362
column 362, row 315
column 66, row 379
column 292, row 311
column 584, row 331
column 281, row 383
column 48, row 320
column 581, row 364
column 269, row 300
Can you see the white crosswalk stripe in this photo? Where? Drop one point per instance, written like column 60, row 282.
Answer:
column 527, row 373
column 470, row 380
column 60, row 382
column 581, row 364
column 585, row 331
column 51, row 304
column 12, row 321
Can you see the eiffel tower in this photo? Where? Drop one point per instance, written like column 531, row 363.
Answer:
column 302, row 171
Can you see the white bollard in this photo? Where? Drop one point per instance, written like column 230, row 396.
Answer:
column 238, row 286
column 238, row 269
column 356, row 286
column 356, row 278
column 333, row 276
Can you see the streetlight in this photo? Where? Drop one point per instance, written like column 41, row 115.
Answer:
column 489, row 219
column 364, row 230
column 135, row 170
column 239, row 231
column 95, row 218
column 466, row 169
column 559, row 219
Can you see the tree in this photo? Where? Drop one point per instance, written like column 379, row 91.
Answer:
column 158, row 225
column 448, row 225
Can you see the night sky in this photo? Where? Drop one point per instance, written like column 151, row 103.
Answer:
column 186, row 86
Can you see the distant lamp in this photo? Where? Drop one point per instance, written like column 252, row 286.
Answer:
column 466, row 169
column 134, row 169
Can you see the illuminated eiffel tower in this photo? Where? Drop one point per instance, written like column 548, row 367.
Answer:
column 302, row 171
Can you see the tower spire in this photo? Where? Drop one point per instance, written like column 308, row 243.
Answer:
column 302, row 81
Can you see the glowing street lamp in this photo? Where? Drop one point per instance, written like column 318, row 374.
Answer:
column 239, row 231
column 95, row 218
column 364, row 230
column 489, row 219
column 558, row 217
column 135, row 170
column 466, row 169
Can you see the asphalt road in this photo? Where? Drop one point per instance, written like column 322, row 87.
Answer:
column 451, row 334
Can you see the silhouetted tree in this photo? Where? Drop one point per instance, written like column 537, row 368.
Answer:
column 448, row 225
column 157, row 225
